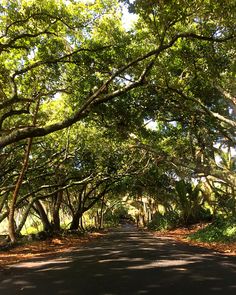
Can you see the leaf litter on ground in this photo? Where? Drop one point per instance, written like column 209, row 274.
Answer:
column 182, row 235
column 51, row 247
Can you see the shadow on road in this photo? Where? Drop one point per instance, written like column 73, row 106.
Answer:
column 126, row 262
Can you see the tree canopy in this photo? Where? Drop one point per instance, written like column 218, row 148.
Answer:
column 83, row 89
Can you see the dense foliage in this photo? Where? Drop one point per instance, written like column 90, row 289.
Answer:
column 79, row 91
column 221, row 230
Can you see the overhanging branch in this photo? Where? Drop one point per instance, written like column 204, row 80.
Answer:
column 96, row 98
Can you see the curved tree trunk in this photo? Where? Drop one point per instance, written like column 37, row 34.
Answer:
column 55, row 211
column 25, row 215
column 75, row 223
column 43, row 216
column 11, row 219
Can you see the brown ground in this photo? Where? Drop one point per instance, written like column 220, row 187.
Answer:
column 57, row 245
column 52, row 246
column 182, row 233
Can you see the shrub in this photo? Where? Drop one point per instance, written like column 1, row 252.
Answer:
column 221, row 230
column 166, row 221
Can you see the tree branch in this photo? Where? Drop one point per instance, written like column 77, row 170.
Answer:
column 90, row 101
column 209, row 112
column 12, row 113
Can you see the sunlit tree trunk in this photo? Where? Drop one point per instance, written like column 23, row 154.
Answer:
column 43, row 216
column 11, row 219
column 82, row 223
column 24, row 217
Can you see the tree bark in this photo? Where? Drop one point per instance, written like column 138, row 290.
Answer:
column 78, row 213
column 101, row 214
column 11, row 220
column 76, row 220
column 43, row 216
column 25, row 215
column 55, row 211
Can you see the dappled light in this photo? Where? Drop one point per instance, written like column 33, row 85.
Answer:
column 117, row 147
column 127, row 262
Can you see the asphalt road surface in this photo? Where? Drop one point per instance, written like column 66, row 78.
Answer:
column 125, row 262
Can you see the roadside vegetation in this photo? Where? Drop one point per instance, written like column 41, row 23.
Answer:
column 102, row 123
column 220, row 230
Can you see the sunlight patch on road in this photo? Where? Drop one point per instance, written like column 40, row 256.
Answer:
column 53, row 268
column 180, row 269
column 37, row 264
column 121, row 259
column 162, row 263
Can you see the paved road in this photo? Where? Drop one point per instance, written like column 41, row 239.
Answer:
column 125, row 262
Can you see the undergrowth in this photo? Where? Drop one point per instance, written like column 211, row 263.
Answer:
column 220, row 230
column 167, row 221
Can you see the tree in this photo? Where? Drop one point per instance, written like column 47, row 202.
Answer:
column 57, row 48
column 76, row 60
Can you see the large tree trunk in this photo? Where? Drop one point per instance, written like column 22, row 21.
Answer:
column 43, row 216
column 11, row 219
column 55, row 211
column 101, row 214
column 76, row 220
column 25, row 215
column 78, row 213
